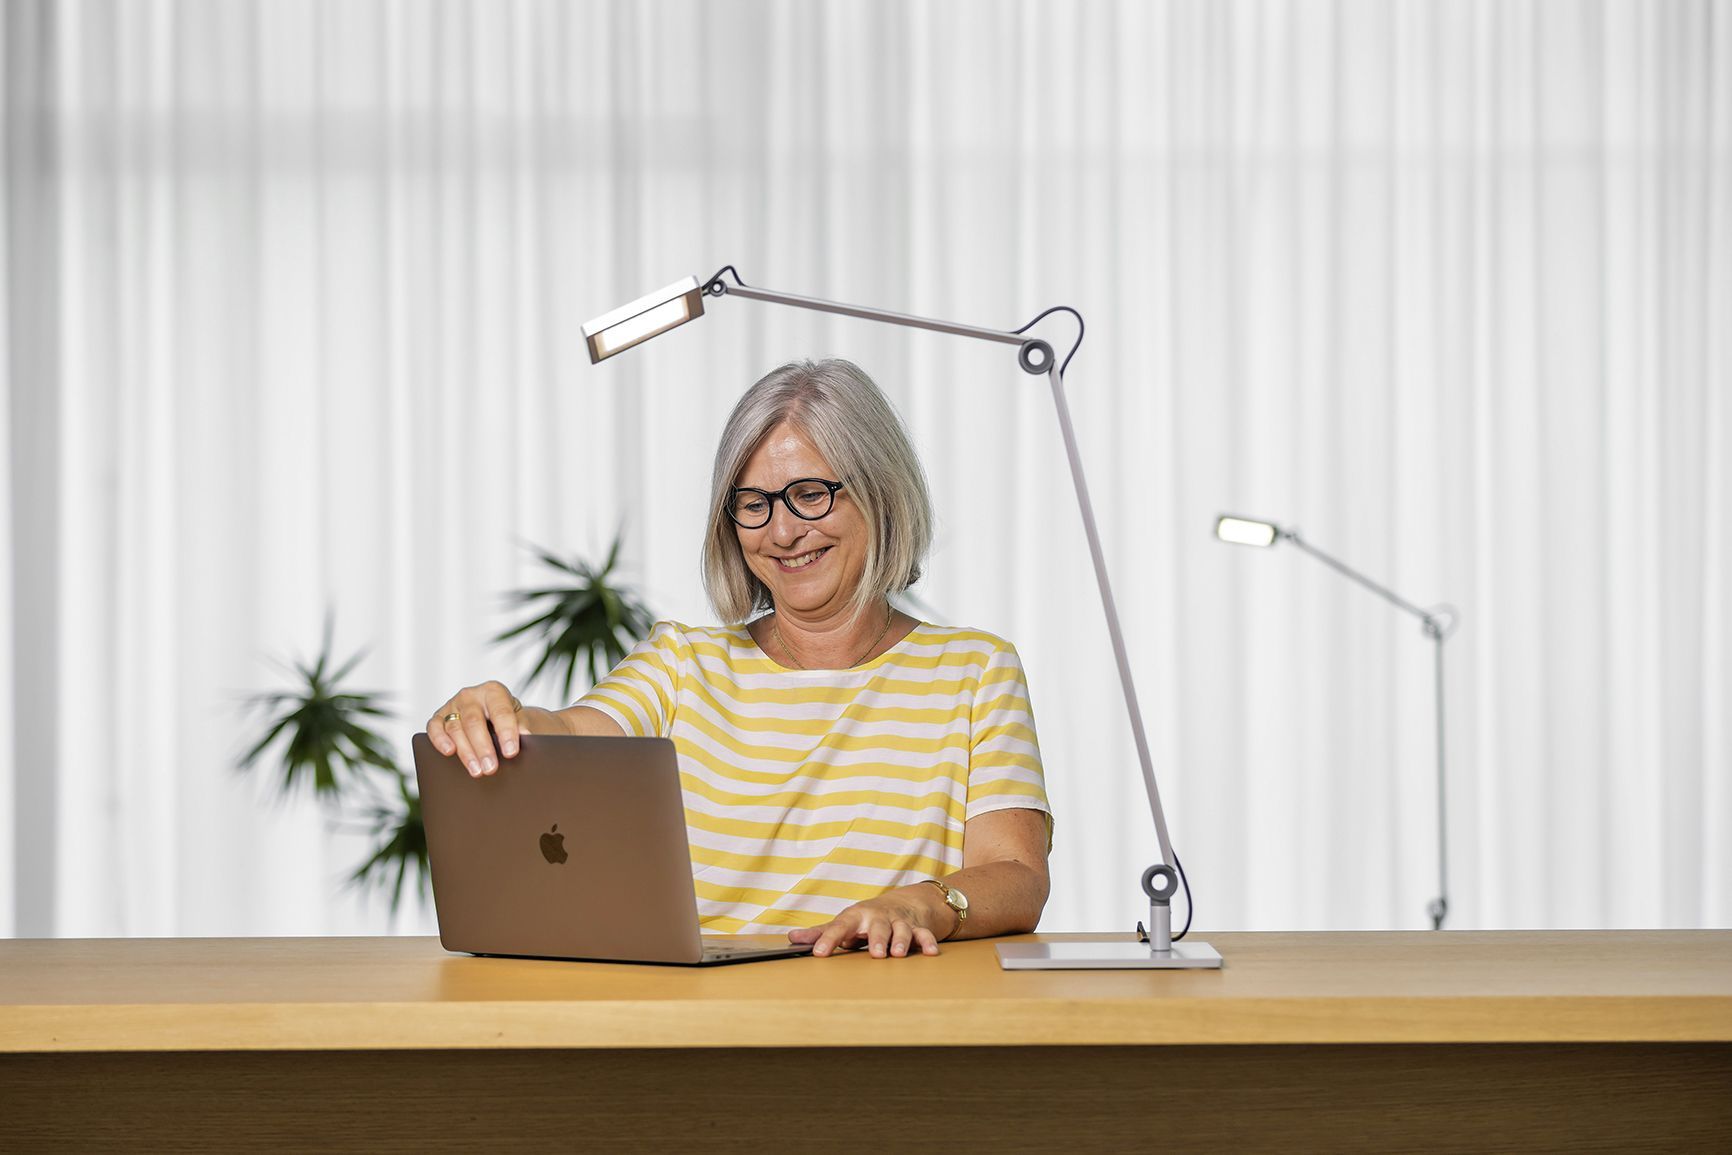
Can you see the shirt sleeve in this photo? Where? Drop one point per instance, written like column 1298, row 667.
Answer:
column 1004, row 770
column 641, row 692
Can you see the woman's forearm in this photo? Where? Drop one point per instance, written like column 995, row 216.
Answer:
column 535, row 720
column 582, row 721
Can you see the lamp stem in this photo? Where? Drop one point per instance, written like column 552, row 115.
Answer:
column 1114, row 631
column 1439, row 908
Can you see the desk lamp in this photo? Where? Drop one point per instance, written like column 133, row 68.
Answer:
column 1157, row 948
column 1437, row 624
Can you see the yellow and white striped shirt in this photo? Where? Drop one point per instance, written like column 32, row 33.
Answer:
column 809, row 790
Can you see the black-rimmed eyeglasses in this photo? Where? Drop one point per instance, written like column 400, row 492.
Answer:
column 809, row 499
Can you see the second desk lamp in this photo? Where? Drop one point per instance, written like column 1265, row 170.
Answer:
column 1436, row 623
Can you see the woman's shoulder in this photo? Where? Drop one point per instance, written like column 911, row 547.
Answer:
column 668, row 633
column 955, row 639
column 669, row 627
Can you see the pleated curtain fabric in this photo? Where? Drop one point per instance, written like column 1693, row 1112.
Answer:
column 290, row 324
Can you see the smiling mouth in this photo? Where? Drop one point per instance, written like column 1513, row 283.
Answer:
column 803, row 560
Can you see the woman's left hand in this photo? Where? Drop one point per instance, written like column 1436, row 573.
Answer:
column 891, row 925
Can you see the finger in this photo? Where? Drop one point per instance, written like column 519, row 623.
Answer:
column 901, row 933
column 878, row 937
column 504, row 717
column 456, row 742
column 474, row 708
column 466, row 752
column 828, row 940
column 438, row 734
column 810, row 934
column 469, row 732
column 838, row 935
column 927, row 940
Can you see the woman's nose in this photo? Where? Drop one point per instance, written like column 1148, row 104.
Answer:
column 785, row 528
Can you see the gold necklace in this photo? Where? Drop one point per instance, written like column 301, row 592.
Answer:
column 776, row 629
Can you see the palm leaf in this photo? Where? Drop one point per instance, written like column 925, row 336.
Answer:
column 401, row 841
column 321, row 728
column 589, row 623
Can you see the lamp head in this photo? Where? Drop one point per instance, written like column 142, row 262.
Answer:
column 1246, row 531
column 646, row 317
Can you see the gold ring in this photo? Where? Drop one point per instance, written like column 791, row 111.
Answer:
column 453, row 716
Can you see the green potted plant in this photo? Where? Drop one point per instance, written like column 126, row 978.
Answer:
column 326, row 740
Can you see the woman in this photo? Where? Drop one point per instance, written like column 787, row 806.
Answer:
column 851, row 775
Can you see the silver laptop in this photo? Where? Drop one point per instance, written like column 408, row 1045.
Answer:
column 575, row 849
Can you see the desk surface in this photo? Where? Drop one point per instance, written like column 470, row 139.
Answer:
column 389, row 993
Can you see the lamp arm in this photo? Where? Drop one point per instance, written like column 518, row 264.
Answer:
column 822, row 306
column 1035, row 356
column 1432, row 626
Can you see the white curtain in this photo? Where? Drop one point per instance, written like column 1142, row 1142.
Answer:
column 290, row 322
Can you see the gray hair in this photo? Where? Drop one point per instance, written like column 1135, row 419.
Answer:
column 850, row 422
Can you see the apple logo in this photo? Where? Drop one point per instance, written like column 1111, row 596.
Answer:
column 553, row 846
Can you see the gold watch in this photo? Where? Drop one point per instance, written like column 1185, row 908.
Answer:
column 954, row 899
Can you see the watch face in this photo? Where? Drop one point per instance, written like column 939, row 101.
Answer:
column 957, row 900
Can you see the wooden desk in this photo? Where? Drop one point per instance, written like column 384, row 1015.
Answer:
column 1339, row 1041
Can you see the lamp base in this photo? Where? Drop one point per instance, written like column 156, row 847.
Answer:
column 1105, row 954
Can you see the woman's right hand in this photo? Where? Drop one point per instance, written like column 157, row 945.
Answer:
column 467, row 735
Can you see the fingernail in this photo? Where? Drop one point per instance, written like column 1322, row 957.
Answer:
column 491, row 765
column 474, row 768
column 510, row 749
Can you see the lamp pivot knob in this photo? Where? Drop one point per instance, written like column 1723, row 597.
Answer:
column 1159, row 882
column 1035, row 356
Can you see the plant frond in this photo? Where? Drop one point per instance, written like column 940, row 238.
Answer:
column 588, row 624
column 323, row 728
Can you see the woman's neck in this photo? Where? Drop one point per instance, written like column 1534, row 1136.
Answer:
column 830, row 641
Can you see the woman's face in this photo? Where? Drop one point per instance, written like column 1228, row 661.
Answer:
column 811, row 567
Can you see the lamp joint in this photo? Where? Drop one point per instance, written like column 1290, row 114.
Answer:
column 1035, row 356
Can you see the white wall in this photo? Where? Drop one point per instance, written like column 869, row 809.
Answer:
column 291, row 321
